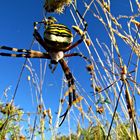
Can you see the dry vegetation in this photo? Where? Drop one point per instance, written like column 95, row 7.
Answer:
column 109, row 111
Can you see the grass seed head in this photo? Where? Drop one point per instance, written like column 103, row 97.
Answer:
column 136, row 23
column 56, row 6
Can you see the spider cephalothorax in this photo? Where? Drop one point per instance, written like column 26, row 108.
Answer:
column 56, row 41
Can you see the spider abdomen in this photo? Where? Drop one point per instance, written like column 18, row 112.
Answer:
column 58, row 37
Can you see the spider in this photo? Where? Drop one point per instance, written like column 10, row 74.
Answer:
column 57, row 40
column 124, row 76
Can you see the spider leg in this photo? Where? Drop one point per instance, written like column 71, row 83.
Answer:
column 78, row 54
column 71, row 86
column 82, row 36
column 39, row 39
column 77, row 42
column 24, row 53
column 53, row 68
column 109, row 85
column 85, row 23
column 15, row 55
column 12, row 49
column 74, row 45
column 45, row 56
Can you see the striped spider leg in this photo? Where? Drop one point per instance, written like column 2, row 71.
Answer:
column 57, row 40
column 23, row 53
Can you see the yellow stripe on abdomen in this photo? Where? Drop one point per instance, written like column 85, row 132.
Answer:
column 58, row 36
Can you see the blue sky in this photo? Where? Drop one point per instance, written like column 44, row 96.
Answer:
column 16, row 29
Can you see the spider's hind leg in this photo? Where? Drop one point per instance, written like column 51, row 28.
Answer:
column 71, row 86
column 80, row 55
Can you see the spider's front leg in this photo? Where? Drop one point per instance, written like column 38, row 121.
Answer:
column 77, row 42
column 38, row 37
column 71, row 86
column 81, row 32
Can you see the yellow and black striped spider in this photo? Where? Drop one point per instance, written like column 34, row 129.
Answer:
column 57, row 40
